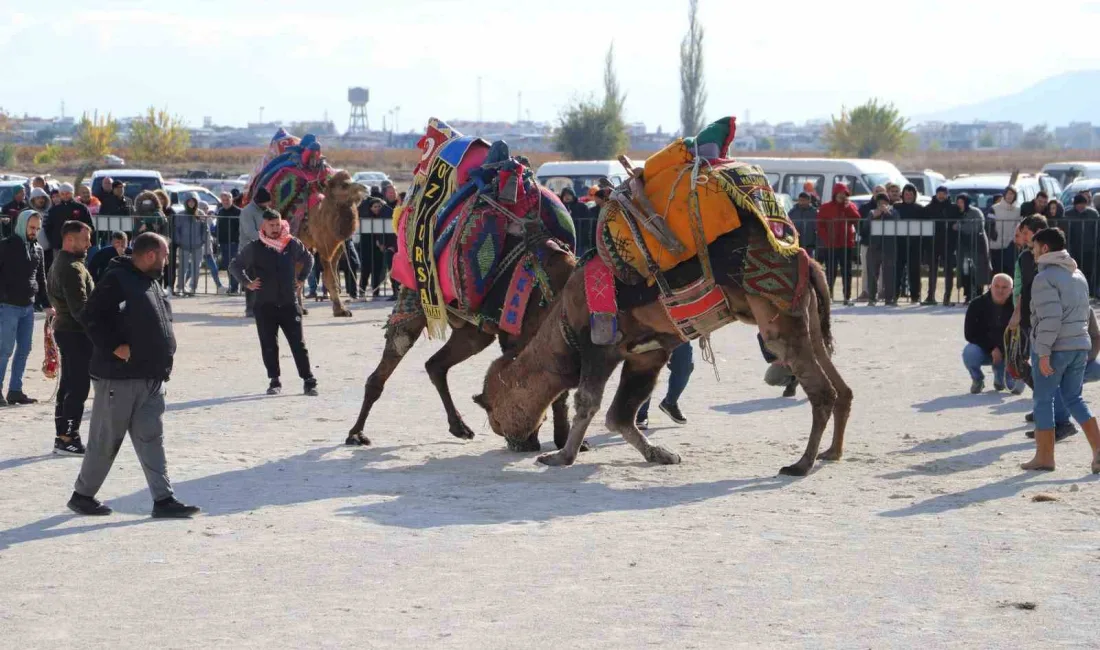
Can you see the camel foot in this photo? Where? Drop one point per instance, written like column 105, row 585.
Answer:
column 661, row 456
column 357, row 440
column 557, row 459
column 830, row 454
column 341, row 313
column 524, row 446
column 798, row 469
column 460, row 430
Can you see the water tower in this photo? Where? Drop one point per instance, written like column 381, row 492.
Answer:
column 357, row 123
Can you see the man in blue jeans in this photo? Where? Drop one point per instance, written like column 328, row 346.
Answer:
column 22, row 287
column 986, row 320
column 1060, row 345
column 680, row 366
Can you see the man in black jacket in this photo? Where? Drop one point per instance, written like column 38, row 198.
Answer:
column 273, row 268
column 66, row 210
column 116, row 203
column 10, row 212
column 986, row 320
column 909, row 247
column 129, row 320
column 22, row 288
column 69, row 284
column 1038, row 205
column 941, row 251
column 99, row 262
column 229, row 236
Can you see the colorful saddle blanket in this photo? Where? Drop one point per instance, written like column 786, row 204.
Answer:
column 725, row 191
column 453, row 229
column 294, row 172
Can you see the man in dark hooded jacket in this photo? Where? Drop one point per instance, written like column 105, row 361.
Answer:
column 909, row 247
column 581, row 216
column 940, row 252
column 10, row 212
column 22, row 288
column 68, row 209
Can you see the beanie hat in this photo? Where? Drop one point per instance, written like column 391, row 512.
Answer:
column 66, row 187
column 262, row 196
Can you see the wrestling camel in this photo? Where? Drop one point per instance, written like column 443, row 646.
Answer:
column 561, row 356
column 330, row 223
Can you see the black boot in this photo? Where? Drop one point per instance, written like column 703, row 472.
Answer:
column 169, row 508
column 310, row 387
column 275, row 387
column 19, row 397
column 90, row 506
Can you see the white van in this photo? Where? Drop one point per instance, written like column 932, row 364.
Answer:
column 789, row 175
column 1067, row 172
column 580, row 174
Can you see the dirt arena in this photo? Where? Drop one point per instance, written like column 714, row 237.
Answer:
column 926, row 533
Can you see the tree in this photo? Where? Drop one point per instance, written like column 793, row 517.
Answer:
column 95, row 136
column 986, row 141
column 867, row 130
column 765, row 144
column 591, row 131
column 48, row 156
column 613, row 96
column 45, row 136
column 158, row 137
column 1037, row 137
column 693, row 90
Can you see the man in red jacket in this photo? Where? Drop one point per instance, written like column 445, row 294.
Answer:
column 836, row 238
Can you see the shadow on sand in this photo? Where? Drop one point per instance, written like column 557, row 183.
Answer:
column 758, row 405
column 453, row 491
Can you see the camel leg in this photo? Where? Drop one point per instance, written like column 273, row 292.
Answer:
column 636, row 383
column 332, row 282
column 560, row 409
column 798, row 352
column 463, row 343
column 399, row 340
column 843, row 407
column 596, row 368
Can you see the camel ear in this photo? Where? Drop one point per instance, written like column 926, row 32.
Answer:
column 479, row 399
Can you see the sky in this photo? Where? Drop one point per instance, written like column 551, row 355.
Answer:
column 775, row 60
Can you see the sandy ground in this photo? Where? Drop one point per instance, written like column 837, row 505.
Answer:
column 926, row 533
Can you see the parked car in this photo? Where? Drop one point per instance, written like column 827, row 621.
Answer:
column 370, row 178
column 7, row 189
column 580, row 174
column 1090, row 185
column 137, row 180
column 926, row 181
column 178, row 194
column 1050, row 184
column 1067, row 172
column 789, row 175
column 112, row 160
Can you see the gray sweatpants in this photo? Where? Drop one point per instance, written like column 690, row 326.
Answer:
column 135, row 406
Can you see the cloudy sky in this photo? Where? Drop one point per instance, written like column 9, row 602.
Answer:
column 777, row 60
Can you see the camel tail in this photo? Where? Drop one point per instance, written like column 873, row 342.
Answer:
column 824, row 303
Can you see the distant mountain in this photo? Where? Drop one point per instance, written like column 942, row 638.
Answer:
column 1057, row 101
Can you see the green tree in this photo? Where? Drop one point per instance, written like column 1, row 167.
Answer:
column 158, row 137
column 613, row 96
column 7, row 155
column 986, row 141
column 866, row 131
column 48, row 156
column 591, row 131
column 1037, row 138
column 765, row 144
column 95, row 136
column 693, row 90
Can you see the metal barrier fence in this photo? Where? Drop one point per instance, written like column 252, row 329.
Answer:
column 909, row 257
column 371, row 256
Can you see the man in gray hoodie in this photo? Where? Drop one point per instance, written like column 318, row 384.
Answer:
column 1060, row 345
column 248, row 231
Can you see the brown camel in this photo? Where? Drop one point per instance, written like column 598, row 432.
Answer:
column 328, row 226
column 465, row 341
column 560, row 357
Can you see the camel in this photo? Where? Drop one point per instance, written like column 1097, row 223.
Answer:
column 329, row 224
column 560, row 356
column 465, row 341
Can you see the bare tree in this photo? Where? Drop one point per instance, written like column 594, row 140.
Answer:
column 693, row 90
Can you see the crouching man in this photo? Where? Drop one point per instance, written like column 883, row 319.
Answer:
column 986, row 320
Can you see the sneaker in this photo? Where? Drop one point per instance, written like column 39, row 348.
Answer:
column 862, row 297
column 929, row 302
column 310, row 387
column 977, row 386
column 948, row 303
column 847, row 303
column 872, row 303
column 312, row 295
column 997, row 386
column 792, row 386
column 642, row 423
column 89, row 506
column 19, row 397
column 72, row 447
column 220, row 291
column 1018, row 389
column 891, row 303
column 169, row 508
column 1030, row 417
column 3, row 402
column 275, row 387
column 673, row 412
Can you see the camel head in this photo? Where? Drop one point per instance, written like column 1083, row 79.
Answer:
column 508, row 403
column 341, row 189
